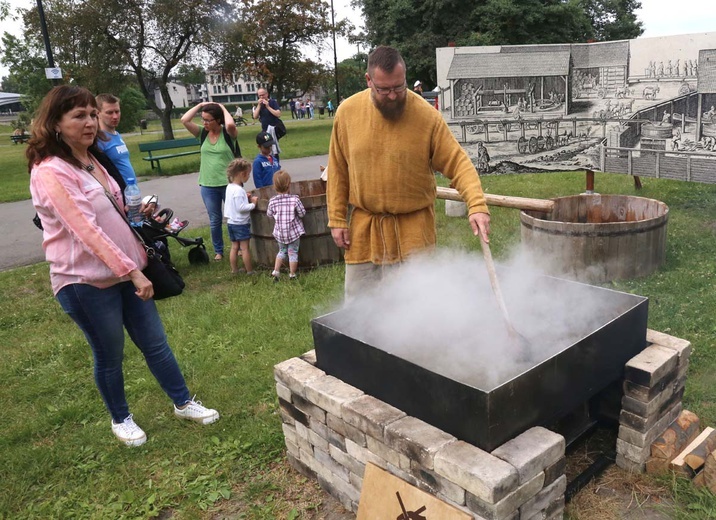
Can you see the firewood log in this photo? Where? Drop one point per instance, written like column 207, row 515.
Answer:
column 709, row 472
column 678, row 435
column 679, row 465
column 697, row 458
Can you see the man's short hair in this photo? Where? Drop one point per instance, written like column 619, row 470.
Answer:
column 384, row 58
column 101, row 99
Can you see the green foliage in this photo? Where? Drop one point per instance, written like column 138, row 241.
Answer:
column 133, row 104
column 267, row 40
column 417, row 27
column 22, row 122
column 26, row 63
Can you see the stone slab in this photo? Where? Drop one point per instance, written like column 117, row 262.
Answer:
column 532, row 451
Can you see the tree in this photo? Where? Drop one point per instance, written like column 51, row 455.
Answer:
column 101, row 44
column 267, row 39
column 27, row 70
column 418, row 27
column 133, row 104
column 614, row 19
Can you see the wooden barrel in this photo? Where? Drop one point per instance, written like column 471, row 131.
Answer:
column 656, row 130
column 317, row 246
column 598, row 238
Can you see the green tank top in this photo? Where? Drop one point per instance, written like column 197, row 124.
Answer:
column 214, row 160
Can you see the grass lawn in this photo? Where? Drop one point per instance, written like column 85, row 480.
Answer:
column 304, row 138
column 59, row 459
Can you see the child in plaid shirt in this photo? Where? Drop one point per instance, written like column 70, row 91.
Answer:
column 287, row 210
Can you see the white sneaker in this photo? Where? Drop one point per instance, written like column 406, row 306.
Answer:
column 128, row 432
column 197, row 412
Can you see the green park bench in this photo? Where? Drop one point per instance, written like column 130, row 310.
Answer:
column 21, row 138
column 154, row 147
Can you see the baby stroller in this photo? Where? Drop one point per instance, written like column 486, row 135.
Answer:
column 160, row 226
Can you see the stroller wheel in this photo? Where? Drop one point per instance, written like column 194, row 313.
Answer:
column 198, row 255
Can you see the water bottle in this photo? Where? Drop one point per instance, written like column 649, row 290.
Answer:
column 133, row 198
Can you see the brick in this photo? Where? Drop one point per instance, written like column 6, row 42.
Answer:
column 356, row 481
column 633, row 453
column 329, row 462
column 532, row 451
column 630, row 465
column 646, row 393
column 488, row 478
column 363, row 455
column 651, row 365
column 655, row 405
column 384, row 451
column 346, row 495
column 643, row 439
column 336, row 439
column 336, row 424
column 346, row 430
column 292, row 448
column 370, row 415
column 283, row 392
column 681, row 346
column 309, row 357
column 330, row 393
column 317, row 441
column 301, row 467
column 285, row 418
column 545, row 498
column 342, row 457
column 644, row 424
column 302, row 438
column 554, row 471
column 510, row 503
column 295, row 374
column 437, row 484
column 309, row 408
column 416, row 439
column 290, row 411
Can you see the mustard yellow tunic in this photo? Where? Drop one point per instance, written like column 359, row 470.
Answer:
column 385, row 170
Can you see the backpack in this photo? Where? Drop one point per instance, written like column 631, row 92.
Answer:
column 233, row 143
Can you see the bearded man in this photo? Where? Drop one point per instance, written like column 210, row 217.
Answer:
column 386, row 146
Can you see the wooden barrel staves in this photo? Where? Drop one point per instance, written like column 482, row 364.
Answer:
column 317, row 246
column 598, row 238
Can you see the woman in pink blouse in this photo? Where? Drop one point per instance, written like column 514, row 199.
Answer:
column 95, row 260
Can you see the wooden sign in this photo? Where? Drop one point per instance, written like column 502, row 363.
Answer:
column 386, row 497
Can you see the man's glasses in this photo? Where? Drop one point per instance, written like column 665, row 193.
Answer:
column 207, row 121
column 385, row 91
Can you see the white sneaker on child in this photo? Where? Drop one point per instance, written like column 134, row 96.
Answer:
column 197, row 412
column 128, row 432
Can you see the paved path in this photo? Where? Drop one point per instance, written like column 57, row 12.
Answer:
column 21, row 241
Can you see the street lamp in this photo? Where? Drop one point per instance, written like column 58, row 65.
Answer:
column 335, row 54
column 46, row 38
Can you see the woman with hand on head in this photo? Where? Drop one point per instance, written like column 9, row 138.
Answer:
column 216, row 154
column 96, row 260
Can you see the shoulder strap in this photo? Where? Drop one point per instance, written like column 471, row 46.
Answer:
column 233, row 143
column 202, row 136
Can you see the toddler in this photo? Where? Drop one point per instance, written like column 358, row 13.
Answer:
column 237, row 210
column 287, row 210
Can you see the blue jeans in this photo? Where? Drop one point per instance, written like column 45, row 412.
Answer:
column 101, row 315
column 213, row 197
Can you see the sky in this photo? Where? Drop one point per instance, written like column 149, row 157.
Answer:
column 659, row 17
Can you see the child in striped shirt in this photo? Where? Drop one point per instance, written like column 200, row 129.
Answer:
column 287, row 210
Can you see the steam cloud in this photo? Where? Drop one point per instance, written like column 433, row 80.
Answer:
column 439, row 312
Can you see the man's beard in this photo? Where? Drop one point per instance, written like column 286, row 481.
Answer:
column 390, row 109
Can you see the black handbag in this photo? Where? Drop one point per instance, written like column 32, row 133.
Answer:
column 280, row 128
column 160, row 270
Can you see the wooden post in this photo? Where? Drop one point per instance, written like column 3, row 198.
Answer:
column 590, row 181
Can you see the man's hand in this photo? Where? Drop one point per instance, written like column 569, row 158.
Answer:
column 341, row 237
column 480, row 224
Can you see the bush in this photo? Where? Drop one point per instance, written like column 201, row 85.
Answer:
column 133, row 104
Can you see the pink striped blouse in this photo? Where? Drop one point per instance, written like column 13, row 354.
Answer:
column 85, row 238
